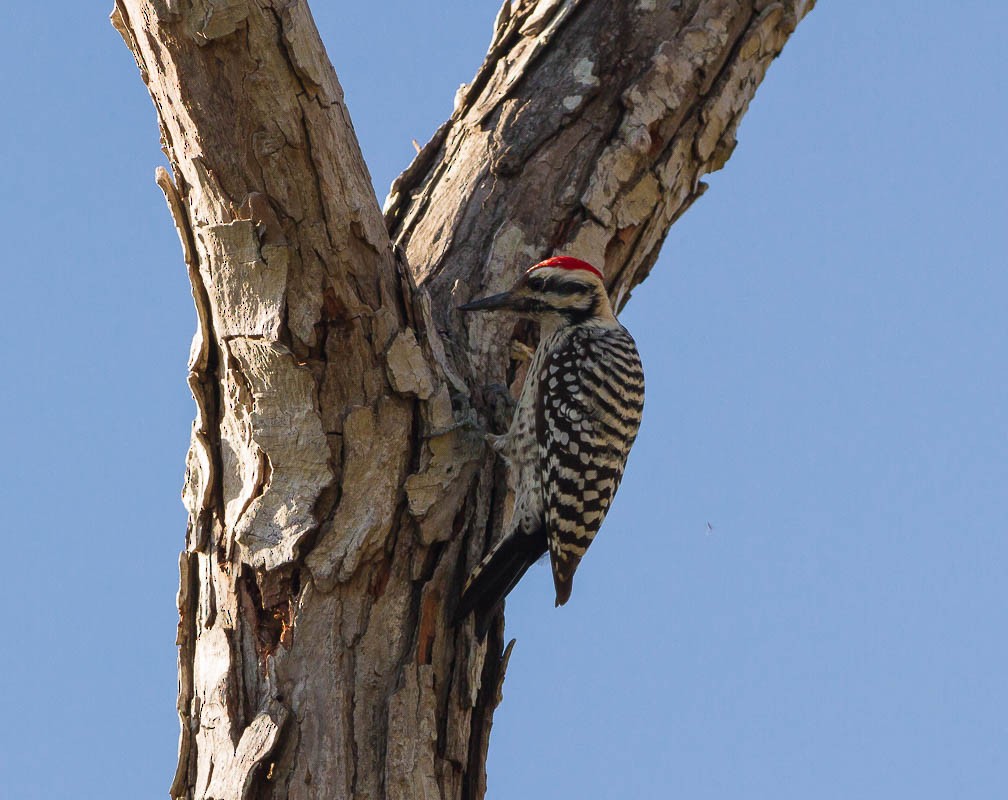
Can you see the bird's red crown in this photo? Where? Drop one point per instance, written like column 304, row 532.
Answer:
column 565, row 262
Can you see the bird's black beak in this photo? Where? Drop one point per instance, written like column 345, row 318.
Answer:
column 491, row 303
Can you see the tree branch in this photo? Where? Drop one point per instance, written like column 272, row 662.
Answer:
column 587, row 131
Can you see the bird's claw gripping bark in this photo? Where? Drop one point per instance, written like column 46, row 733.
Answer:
column 497, row 442
column 521, row 352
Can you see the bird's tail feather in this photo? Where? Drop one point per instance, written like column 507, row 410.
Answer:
column 496, row 575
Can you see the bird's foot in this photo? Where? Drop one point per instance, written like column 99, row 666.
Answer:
column 520, row 351
column 497, row 442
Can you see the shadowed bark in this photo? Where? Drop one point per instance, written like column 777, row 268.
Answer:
column 337, row 483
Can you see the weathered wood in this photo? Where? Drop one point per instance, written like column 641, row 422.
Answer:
column 337, row 485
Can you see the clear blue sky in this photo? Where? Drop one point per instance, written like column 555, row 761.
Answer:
column 825, row 345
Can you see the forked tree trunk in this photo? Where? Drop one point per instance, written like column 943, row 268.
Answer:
column 338, row 488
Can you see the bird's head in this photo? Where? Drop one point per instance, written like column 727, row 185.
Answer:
column 559, row 290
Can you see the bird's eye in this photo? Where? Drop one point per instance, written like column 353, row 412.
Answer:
column 536, row 284
column 569, row 288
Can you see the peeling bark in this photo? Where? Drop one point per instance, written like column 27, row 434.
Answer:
column 337, row 484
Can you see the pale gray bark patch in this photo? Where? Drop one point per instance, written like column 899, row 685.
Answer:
column 448, row 464
column 281, row 450
column 306, row 51
column 409, row 763
column 219, row 18
column 219, row 775
column 247, row 286
column 338, row 485
column 408, row 370
column 373, row 471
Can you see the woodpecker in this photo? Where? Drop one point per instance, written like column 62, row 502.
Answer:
column 575, row 421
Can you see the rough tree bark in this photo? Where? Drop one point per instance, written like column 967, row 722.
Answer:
column 337, row 486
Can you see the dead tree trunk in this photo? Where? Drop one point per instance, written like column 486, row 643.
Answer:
column 337, row 485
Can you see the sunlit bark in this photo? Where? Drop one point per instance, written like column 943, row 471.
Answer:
column 338, row 487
